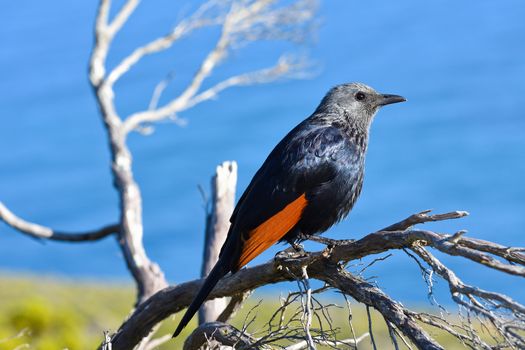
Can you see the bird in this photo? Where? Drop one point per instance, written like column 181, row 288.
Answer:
column 309, row 181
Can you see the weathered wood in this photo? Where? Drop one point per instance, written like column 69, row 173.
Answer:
column 321, row 265
column 42, row 232
column 219, row 336
column 222, row 202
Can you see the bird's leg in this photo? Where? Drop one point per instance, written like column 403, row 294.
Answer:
column 296, row 246
column 294, row 250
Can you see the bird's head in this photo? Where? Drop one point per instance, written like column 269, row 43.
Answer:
column 356, row 103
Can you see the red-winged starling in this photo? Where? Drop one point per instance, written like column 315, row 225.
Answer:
column 309, row 182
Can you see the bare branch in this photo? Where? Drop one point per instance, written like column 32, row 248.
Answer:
column 370, row 295
column 370, row 328
column 336, row 344
column 493, row 301
column 215, row 335
column 42, row 232
column 307, row 308
column 159, row 89
column 196, row 21
column 155, row 343
column 180, row 102
column 350, row 317
column 323, row 265
column 471, row 340
column 285, row 67
column 148, row 275
column 422, row 217
column 122, row 16
column 223, row 186
column 508, row 253
column 444, row 245
column 97, row 68
column 245, row 21
column 384, row 240
column 106, row 344
column 240, row 22
column 392, row 334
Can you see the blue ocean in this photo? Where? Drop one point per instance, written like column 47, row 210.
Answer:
column 457, row 144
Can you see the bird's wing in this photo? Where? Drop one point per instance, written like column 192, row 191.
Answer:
column 274, row 201
column 277, row 195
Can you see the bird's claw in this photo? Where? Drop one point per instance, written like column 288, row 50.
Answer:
column 299, row 248
column 295, row 250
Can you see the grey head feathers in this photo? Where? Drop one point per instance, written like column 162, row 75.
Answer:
column 353, row 105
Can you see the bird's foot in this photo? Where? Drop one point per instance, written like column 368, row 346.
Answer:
column 295, row 250
column 299, row 248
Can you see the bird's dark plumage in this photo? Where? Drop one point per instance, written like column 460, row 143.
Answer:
column 310, row 181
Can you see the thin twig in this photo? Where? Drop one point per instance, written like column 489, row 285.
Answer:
column 481, row 302
column 199, row 19
column 422, row 217
column 350, row 316
column 370, row 328
column 392, row 334
column 326, row 267
column 336, row 344
column 243, row 22
column 155, row 343
column 308, row 308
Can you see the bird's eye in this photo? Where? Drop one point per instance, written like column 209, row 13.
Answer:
column 360, row 96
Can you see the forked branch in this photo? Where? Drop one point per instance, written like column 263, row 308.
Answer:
column 326, row 266
column 241, row 23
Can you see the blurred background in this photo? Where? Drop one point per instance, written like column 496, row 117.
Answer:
column 457, row 144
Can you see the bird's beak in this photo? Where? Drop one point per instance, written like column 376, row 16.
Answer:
column 387, row 99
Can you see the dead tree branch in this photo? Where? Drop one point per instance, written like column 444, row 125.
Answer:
column 233, row 18
column 218, row 336
column 286, row 325
column 42, row 232
column 242, row 22
column 222, row 203
column 205, row 15
column 147, row 274
column 239, row 23
column 483, row 303
column 325, row 266
column 366, row 293
column 422, row 217
column 306, row 301
column 334, row 344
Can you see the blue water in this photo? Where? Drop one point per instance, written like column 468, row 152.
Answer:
column 457, row 144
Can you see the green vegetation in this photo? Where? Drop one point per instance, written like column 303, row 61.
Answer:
column 55, row 314
column 50, row 314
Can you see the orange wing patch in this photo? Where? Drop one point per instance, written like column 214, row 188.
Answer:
column 272, row 230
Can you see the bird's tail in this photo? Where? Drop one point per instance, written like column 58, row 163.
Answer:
column 219, row 270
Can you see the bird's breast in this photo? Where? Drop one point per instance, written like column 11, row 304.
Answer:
column 333, row 200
